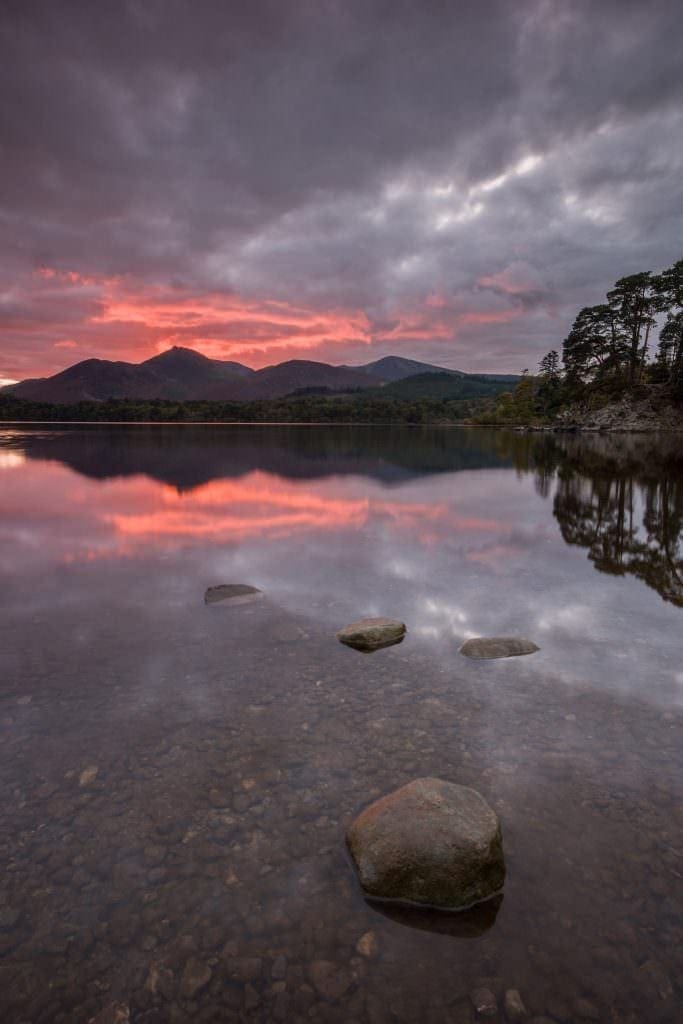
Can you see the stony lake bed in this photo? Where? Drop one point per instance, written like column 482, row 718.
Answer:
column 178, row 778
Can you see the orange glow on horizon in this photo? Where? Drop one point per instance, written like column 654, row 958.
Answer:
column 116, row 317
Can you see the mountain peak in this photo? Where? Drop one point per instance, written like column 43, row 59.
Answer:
column 392, row 368
column 178, row 355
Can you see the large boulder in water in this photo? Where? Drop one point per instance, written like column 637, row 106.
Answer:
column 430, row 842
column 371, row 634
column 485, row 647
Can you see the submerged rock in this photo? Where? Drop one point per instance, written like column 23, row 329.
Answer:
column 429, row 842
column 235, row 593
column 331, row 980
column 514, row 1005
column 484, row 1002
column 195, row 977
column 481, row 647
column 367, row 945
column 88, row 775
column 372, row 634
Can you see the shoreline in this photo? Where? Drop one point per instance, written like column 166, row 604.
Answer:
column 520, row 428
column 230, row 423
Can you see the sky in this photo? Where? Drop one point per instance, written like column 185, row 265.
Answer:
column 446, row 180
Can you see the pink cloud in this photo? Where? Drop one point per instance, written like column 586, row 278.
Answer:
column 120, row 318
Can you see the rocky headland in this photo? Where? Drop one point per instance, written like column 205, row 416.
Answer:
column 649, row 409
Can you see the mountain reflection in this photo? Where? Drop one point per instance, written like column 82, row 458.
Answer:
column 187, row 457
column 618, row 497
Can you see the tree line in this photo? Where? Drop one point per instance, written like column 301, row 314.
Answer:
column 302, row 409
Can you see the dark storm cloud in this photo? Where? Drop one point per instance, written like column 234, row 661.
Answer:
column 469, row 171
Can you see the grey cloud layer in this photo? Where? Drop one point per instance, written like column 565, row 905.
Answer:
column 363, row 155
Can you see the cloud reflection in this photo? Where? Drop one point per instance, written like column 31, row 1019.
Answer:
column 453, row 553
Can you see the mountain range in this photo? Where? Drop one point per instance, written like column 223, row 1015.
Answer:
column 181, row 374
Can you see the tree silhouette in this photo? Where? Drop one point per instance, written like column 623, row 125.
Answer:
column 623, row 505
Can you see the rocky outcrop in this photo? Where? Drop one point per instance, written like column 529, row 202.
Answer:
column 647, row 409
column 372, row 634
column 485, row 647
column 235, row 593
column 432, row 843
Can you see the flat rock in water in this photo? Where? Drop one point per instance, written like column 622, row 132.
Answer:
column 372, row 634
column 235, row 593
column 432, row 843
column 482, row 647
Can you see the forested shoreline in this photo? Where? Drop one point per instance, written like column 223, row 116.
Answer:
column 609, row 355
column 309, row 409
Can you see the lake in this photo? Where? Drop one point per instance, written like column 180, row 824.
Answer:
column 177, row 778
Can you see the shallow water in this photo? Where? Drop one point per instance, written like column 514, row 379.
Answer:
column 177, row 778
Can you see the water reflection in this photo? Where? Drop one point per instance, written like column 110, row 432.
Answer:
column 177, row 778
column 463, row 924
column 189, row 456
column 622, row 500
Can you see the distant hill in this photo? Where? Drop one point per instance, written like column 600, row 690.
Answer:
column 298, row 374
column 181, row 375
column 178, row 374
column 447, row 386
column 392, row 368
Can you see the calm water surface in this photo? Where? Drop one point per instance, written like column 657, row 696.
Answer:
column 177, row 778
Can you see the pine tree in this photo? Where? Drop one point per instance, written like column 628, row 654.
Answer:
column 550, row 365
column 635, row 303
column 595, row 346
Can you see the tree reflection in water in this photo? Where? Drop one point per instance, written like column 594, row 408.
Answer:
column 621, row 498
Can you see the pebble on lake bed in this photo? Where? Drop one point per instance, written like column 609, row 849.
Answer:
column 367, row 945
column 429, row 842
column 88, row 775
column 484, row 1002
column 514, row 1005
column 482, row 647
column 114, row 1013
column 329, row 979
column 235, row 593
column 195, row 977
column 372, row 634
